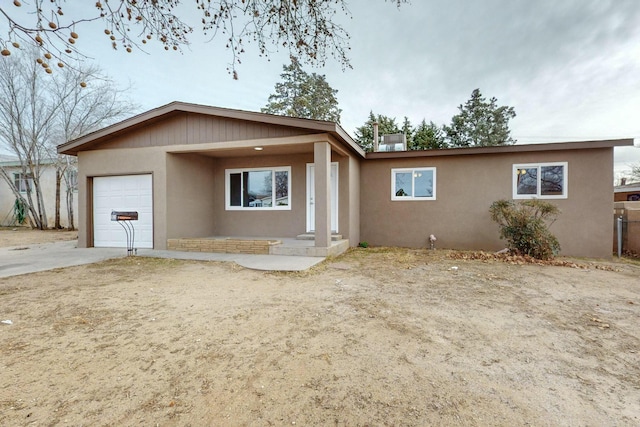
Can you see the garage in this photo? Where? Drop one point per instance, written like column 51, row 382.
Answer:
column 122, row 193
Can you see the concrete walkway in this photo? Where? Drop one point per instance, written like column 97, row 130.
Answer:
column 47, row 256
column 254, row 262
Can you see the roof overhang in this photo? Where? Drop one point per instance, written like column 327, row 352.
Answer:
column 263, row 147
column 165, row 111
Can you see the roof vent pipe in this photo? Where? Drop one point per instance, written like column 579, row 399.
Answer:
column 375, row 136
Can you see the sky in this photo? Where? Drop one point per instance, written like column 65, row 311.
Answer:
column 570, row 68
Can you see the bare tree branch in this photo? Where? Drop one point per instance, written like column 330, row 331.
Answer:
column 41, row 113
column 308, row 29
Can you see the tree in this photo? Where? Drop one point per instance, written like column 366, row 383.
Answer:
column 428, row 137
column 480, row 123
column 303, row 95
column 408, row 131
column 83, row 110
column 27, row 128
column 364, row 134
column 307, row 28
column 40, row 112
column 635, row 172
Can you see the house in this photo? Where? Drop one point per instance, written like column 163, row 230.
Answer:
column 194, row 171
column 48, row 185
column 627, row 192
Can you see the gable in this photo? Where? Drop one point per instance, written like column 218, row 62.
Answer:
column 185, row 128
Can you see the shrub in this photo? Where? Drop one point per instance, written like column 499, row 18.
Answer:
column 525, row 226
column 20, row 211
column 363, row 244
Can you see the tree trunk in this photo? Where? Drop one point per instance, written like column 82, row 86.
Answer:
column 42, row 214
column 58, row 179
column 70, row 208
column 34, row 216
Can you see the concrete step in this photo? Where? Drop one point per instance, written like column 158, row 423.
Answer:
column 311, row 236
column 337, row 247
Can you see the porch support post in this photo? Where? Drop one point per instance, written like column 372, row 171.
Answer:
column 322, row 166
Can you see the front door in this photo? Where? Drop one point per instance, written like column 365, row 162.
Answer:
column 311, row 212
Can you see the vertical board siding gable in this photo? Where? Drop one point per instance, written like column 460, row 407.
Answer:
column 189, row 128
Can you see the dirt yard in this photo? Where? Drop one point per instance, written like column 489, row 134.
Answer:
column 378, row 336
column 18, row 236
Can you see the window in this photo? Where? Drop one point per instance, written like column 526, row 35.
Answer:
column 413, row 184
column 260, row 188
column 22, row 182
column 540, row 181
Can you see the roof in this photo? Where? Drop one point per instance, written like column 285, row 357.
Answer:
column 632, row 186
column 12, row 161
column 5, row 158
column 315, row 126
column 157, row 114
column 517, row 148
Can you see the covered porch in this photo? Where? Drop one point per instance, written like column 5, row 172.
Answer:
column 309, row 217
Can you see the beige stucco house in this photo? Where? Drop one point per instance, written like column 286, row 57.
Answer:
column 195, row 171
column 627, row 192
column 48, row 188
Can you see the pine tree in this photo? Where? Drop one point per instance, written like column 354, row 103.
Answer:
column 303, row 95
column 386, row 126
column 428, row 137
column 480, row 123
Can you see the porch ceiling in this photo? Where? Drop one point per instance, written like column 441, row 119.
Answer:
column 302, row 144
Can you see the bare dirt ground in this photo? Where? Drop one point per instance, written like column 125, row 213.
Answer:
column 378, row 336
column 17, row 236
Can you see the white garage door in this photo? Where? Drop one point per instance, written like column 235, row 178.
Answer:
column 122, row 193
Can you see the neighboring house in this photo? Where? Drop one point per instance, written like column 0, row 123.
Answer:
column 197, row 171
column 627, row 192
column 48, row 183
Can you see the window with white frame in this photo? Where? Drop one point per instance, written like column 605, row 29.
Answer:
column 22, row 182
column 413, row 184
column 258, row 188
column 540, row 181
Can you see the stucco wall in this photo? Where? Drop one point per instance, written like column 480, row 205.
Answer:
column 48, row 183
column 466, row 187
column 189, row 193
column 352, row 172
column 625, row 196
column 262, row 223
column 282, row 223
column 630, row 212
column 122, row 162
column 191, row 199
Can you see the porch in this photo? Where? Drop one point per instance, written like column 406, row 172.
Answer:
column 304, row 245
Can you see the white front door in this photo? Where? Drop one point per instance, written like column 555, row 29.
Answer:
column 122, row 193
column 311, row 212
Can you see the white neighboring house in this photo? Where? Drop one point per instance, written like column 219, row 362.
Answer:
column 48, row 184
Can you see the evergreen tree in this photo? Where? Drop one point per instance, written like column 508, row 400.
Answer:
column 480, row 123
column 408, row 130
column 303, row 95
column 364, row 134
column 428, row 137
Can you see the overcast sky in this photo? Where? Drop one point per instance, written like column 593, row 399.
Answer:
column 570, row 68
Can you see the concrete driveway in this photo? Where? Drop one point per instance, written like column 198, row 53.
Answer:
column 32, row 258
column 47, row 256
